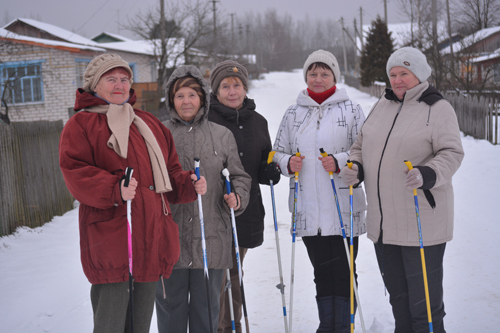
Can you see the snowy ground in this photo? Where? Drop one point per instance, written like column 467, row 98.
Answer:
column 43, row 288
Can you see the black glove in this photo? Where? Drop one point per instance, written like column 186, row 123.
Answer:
column 272, row 172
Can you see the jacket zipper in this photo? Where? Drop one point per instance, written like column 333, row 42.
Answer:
column 380, row 164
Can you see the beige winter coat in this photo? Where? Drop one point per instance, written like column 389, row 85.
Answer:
column 428, row 136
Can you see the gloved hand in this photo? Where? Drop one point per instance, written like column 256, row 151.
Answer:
column 272, row 172
column 414, row 178
column 350, row 176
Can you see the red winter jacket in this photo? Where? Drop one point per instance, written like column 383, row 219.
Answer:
column 92, row 172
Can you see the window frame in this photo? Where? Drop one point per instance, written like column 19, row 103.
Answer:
column 22, row 90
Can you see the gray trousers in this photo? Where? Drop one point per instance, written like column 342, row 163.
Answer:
column 186, row 301
column 401, row 268
column 110, row 302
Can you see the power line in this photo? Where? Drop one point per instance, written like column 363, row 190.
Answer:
column 92, row 16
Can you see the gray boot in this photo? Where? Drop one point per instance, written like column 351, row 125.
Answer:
column 343, row 314
column 326, row 314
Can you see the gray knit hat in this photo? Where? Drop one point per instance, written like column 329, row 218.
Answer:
column 413, row 60
column 325, row 57
column 100, row 65
column 227, row 68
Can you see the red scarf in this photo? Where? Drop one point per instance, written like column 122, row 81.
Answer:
column 321, row 97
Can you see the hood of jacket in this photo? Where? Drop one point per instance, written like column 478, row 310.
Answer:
column 84, row 99
column 180, row 72
column 231, row 114
column 429, row 96
column 305, row 100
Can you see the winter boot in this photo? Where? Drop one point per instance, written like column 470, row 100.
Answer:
column 326, row 314
column 343, row 314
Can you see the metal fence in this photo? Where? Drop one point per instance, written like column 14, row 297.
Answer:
column 32, row 189
column 477, row 113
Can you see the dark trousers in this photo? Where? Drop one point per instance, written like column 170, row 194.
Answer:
column 331, row 264
column 401, row 268
column 225, row 312
column 110, row 302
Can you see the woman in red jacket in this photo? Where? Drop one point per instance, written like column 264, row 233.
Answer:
column 97, row 144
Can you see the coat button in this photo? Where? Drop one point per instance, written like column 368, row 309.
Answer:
column 116, row 204
column 241, row 153
column 241, row 126
column 151, row 187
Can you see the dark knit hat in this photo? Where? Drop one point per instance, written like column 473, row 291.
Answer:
column 228, row 68
column 413, row 60
column 189, row 82
column 100, row 65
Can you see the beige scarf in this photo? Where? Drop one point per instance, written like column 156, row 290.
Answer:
column 120, row 117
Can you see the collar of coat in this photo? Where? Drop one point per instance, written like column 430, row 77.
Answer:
column 430, row 96
column 230, row 114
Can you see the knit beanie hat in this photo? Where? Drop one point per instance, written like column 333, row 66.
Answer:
column 100, row 65
column 186, row 81
column 227, row 68
column 413, row 60
column 324, row 57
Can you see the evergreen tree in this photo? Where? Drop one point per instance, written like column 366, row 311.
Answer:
column 378, row 47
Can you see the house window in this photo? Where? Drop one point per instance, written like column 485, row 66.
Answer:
column 154, row 71
column 81, row 66
column 496, row 73
column 21, row 82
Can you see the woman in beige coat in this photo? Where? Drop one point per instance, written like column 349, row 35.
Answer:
column 412, row 121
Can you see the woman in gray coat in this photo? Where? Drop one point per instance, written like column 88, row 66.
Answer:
column 181, row 299
column 412, row 121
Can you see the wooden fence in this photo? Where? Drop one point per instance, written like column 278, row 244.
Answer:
column 32, row 189
column 477, row 114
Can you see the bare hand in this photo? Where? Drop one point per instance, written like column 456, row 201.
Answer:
column 200, row 185
column 231, row 201
column 328, row 163
column 128, row 193
column 296, row 163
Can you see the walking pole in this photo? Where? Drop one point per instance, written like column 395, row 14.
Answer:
column 225, row 173
column 294, row 232
column 230, row 297
column 128, row 176
column 280, row 286
column 351, row 211
column 424, row 270
column 324, row 154
column 203, row 244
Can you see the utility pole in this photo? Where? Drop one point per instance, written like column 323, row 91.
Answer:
column 449, row 29
column 385, row 11
column 248, row 39
column 232, row 30
column 162, row 75
column 361, row 28
column 215, row 18
column 355, row 45
column 343, row 45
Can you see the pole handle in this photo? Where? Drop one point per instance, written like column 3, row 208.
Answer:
column 324, row 154
column 128, row 176
column 410, row 167
column 270, row 157
column 349, row 165
column 297, row 173
column 197, row 167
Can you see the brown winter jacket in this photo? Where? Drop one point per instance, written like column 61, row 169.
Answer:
column 424, row 130
column 92, row 172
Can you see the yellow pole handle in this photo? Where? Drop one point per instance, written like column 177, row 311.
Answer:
column 349, row 164
column 410, row 166
column 297, row 173
column 270, row 157
column 324, row 154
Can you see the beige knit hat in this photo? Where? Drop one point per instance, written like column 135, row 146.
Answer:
column 100, row 65
column 228, row 68
column 324, row 57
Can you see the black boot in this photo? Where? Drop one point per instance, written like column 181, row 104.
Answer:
column 326, row 314
column 343, row 314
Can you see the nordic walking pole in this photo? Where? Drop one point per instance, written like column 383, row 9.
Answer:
column 225, row 173
column 324, row 154
column 203, row 244
column 280, row 286
column 294, row 232
column 230, row 297
column 424, row 270
column 128, row 176
column 351, row 211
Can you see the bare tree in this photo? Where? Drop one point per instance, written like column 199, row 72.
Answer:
column 475, row 15
column 172, row 34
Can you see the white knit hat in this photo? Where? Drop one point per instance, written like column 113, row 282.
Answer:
column 413, row 60
column 325, row 57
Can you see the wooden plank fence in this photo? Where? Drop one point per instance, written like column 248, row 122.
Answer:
column 32, row 189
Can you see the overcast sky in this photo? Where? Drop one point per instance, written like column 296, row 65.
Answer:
column 90, row 17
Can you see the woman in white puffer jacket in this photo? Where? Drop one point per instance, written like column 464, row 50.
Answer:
column 324, row 117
